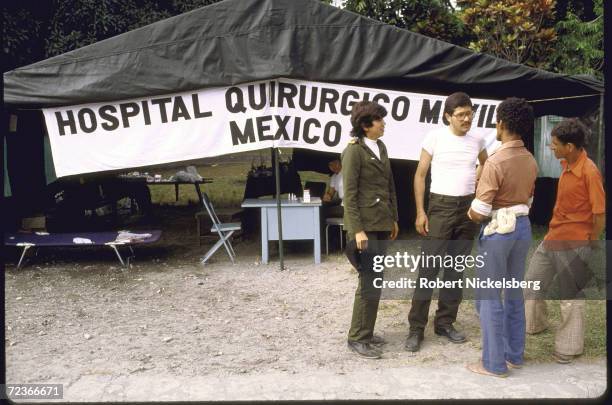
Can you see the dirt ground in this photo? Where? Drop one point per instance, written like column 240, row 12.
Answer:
column 72, row 314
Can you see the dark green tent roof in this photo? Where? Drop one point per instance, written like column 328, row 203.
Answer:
column 237, row 41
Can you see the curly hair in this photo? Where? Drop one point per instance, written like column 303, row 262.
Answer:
column 517, row 116
column 571, row 130
column 363, row 113
column 455, row 100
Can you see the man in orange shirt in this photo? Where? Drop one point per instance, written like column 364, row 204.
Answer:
column 578, row 220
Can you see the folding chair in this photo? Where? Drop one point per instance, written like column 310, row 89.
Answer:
column 339, row 222
column 224, row 230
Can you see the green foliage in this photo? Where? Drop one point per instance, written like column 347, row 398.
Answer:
column 579, row 48
column 520, row 31
column 18, row 29
column 183, row 6
column 64, row 25
column 77, row 23
column 433, row 18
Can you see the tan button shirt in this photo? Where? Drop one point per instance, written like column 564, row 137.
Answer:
column 508, row 176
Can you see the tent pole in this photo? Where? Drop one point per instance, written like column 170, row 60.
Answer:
column 275, row 158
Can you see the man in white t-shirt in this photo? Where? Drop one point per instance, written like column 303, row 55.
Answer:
column 452, row 153
column 332, row 199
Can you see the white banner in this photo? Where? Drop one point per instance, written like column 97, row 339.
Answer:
column 273, row 113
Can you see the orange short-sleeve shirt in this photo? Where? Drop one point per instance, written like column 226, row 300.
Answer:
column 580, row 195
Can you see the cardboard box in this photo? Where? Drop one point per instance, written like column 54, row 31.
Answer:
column 35, row 223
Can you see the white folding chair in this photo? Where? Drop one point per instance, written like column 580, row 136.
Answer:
column 224, row 230
column 332, row 221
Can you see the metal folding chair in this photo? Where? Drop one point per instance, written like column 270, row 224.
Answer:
column 224, row 230
column 332, row 221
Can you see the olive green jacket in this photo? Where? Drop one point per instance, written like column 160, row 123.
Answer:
column 370, row 203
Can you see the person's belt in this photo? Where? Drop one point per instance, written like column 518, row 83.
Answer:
column 442, row 197
column 503, row 220
column 518, row 210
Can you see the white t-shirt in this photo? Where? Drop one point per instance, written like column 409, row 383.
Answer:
column 373, row 145
column 336, row 183
column 453, row 163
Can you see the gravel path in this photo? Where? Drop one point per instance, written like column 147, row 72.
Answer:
column 170, row 329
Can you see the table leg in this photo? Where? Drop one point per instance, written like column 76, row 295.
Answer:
column 317, row 236
column 264, row 235
column 25, row 249
column 112, row 246
column 197, row 187
column 176, row 191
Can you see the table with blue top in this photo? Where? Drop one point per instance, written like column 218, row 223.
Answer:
column 300, row 221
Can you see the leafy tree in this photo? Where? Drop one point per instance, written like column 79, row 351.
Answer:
column 520, row 31
column 34, row 29
column 585, row 9
column 77, row 23
column 23, row 29
column 433, row 18
column 18, row 30
column 182, row 6
column 579, row 48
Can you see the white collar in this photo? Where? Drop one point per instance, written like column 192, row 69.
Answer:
column 370, row 142
column 373, row 146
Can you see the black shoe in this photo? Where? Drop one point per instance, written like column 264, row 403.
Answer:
column 377, row 341
column 451, row 333
column 364, row 350
column 413, row 341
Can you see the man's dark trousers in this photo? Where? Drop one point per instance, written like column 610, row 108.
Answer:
column 367, row 297
column 448, row 221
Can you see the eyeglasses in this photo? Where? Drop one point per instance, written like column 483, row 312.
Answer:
column 464, row 115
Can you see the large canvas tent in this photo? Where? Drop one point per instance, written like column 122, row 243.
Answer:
column 239, row 41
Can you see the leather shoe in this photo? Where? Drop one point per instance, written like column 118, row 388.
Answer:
column 364, row 349
column 451, row 333
column 413, row 342
column 562, row 358
column 376, row 340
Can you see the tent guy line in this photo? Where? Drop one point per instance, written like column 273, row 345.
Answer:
column 564, row 98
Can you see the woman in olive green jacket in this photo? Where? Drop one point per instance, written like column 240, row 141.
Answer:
column 370, row 215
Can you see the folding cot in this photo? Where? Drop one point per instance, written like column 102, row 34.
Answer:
column 82, row 239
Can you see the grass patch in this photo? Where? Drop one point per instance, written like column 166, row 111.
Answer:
column 538, row 232
column 227, row 189
column 388, row 306
column 539, row 347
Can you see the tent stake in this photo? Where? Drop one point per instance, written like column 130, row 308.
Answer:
column 275, row 158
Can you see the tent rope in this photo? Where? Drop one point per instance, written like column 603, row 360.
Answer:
column 564, row 98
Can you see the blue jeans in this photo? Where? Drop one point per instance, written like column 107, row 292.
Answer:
column 503, row 324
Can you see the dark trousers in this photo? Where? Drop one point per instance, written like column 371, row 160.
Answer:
column 367, row 297
column 333, row 209
column 452, row 233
